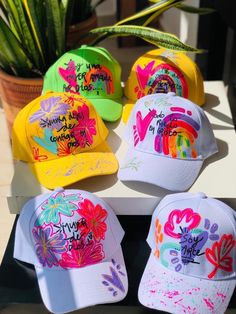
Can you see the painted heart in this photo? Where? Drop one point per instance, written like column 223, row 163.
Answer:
column 186, row 218
column 143, row 74
column 142, row 125
column 69, row 74
column 191, row 245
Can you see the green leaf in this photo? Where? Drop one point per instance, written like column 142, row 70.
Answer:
column 26, row 37
column 151, row 35
column 10, row 14
column 33, row 17
column 195, row 10
column 56, row 33
column 161, row 5
column 11, row 49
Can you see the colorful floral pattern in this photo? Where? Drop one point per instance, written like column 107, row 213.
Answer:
column 51, row 108
column 48, row 245
column 55, row 206
column 95, row 217
column 218, row 255
column 69, row 231
column 86, row 128
column 178, row 217
column 189, row 236
column 91, row 254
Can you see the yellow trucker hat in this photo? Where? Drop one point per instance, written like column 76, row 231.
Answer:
column 163, row 71
column 62, row 138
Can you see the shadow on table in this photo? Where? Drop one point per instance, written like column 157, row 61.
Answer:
column 212, row 102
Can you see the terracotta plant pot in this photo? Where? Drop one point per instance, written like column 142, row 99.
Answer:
column 16, row 92
column 76, row 36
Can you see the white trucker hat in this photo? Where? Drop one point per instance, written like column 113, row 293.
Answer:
column 169, row 138
column 73, row 240
column 192, row 265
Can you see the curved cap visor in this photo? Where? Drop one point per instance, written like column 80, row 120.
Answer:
column 166, row 290
column 166, row 172
column 70, row 169
column 66, row 290
column 128, row 106
column 108, row 109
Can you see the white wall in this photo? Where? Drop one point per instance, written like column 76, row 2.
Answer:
column 108, row 7
column 183, row 25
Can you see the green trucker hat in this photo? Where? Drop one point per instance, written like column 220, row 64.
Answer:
column 91, row 72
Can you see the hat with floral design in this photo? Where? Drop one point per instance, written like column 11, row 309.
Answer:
column 62, row 138
column 73, row 240
column 192, row 265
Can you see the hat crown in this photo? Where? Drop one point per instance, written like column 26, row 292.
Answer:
column 171, row 126
column 195, row 235
column 163, row 71
column 89, row 71
column 56, row 125
column 67, row 229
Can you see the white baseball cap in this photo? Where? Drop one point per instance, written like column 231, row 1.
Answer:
column 192, row 265
column 169, row 138
column 73, row 240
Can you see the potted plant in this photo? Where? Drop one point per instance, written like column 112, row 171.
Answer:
column 83, row 19
column 33, row 36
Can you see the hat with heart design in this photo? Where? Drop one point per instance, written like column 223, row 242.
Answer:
column 192, row 265
column 72, row 238
column 62, row 138
column 169, row 138
column 91, row 72
column 162, row 71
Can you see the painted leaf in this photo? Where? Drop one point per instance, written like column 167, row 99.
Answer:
column 218, row 255
column 114, row 279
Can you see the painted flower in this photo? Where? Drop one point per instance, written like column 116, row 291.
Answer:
column 55, row 206
column 181, row 218
column 86, row 128
column 64, row 149
column 51, row 109
column 48, row 246
column 91, row 254
column 220, row 256
column 95, row 216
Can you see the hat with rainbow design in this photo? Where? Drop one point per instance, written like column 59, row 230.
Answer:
column 169, row 138
column 192, row 264
column 163, row 71
column 91, row 72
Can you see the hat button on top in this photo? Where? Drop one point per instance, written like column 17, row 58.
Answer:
column 201, row 195
column 59, row 189
column 171, row 94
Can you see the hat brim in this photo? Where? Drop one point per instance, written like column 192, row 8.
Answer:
column 108, row 109
column 66, row 290
column 127, row 108
column 72, row 168
column 169, row 173
column 167, row 290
